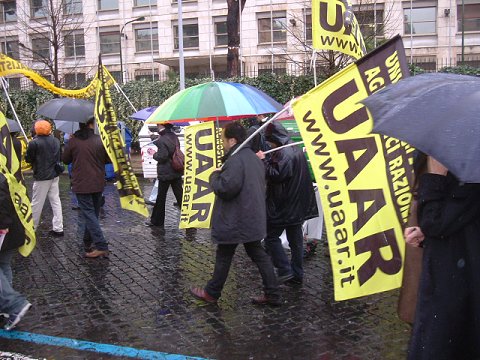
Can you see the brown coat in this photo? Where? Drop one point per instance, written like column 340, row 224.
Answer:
column 88, row 157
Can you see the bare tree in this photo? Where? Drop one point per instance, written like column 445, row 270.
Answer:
column 233, row 33
column 50, row 23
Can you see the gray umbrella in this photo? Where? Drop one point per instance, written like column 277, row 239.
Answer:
column 13, row 126
column 67, row 109
column 436, row 113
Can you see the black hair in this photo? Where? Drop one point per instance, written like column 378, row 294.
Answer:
column 235, row 130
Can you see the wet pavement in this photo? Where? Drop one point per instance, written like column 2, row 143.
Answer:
column 139, row 298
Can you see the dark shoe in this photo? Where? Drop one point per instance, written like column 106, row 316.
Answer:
column 176, row 204
column 148, row 202
column 14, row 319
column 56, row 233
column 201, row 294
column 75, row 207
column 294, row 281
column 150, row 224
column 97, row 254
column 284, row 278
column 88, row 248
column 264, row 300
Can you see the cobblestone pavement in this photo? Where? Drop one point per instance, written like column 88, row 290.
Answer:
column 139, row 298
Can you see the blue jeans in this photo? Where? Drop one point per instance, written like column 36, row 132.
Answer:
column 11, row 301
column 90, row 205
column 276, row 251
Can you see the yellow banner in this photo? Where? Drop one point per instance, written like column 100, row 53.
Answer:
column 364, row 179
column 330, row 32
column 10, row 167
column 9, row 66
column 130, row 193
column 203, row 153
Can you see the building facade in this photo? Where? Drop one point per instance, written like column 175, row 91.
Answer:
column 138, row 39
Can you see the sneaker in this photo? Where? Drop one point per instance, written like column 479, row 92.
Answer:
column 15, row 318
column 56, row 233
column 283, row 278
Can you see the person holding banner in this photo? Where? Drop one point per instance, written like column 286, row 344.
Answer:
column 12, row 236
column 290, row 201
column 88, row 156
column 239, row 217
column 43, row 152
column 447, row 320
column 166, row 175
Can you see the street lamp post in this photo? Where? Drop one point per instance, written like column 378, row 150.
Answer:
column 141, row 18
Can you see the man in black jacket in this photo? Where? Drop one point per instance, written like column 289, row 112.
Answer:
column 43, row 152
column 13, row 234
column 290, row 201
column 239, row 217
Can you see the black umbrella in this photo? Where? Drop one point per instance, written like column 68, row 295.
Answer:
column 436, row 113
column 67, row 109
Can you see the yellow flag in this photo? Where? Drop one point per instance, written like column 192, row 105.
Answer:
column 9, row 66
column 330, row 32
column 364, row 179
column 10, row 167
column 203, row 151
column 128, row 188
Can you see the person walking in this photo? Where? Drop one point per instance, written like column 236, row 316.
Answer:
column 239, row 217
column 12, row 236
column 88, row 157
column 447, row 319
column 290, row 201
column 43, row 153
column 167, row 176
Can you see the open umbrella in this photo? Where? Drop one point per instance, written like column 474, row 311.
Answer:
column 143, row 114
column 436, row 113
column 215, row 101
column 67, row 109
column 68, row 127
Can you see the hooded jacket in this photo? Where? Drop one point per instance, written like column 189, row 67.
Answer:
column 86, row 153
column 166, row 144
column 290, row 194
column 9, row 219
column 239, row 214
column 43, row 153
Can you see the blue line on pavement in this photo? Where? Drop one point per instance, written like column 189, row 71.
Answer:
column 91, row 346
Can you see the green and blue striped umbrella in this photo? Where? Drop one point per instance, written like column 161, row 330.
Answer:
column 214, row 101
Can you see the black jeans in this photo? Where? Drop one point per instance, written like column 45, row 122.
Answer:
column 257, row 253
column 158, row 212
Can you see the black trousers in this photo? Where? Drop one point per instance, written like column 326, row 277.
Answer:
column 257, row 253
column 158, row 212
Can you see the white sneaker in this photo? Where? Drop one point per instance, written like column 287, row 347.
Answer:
column 15, row 318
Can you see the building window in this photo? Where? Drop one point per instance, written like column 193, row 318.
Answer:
column 110, row 42
column 471, row 15
column 71, row 7
column 265, row 28
column 75, row 45
column 146, row 39
column 107, row 4
column 221, row 36
column 371, row 23
column 10, row 48
column 145, row 2
column 9, row 11
column 308, row 27
column 147, row 75
column 75, row 80
column 426, row 63
column 14, row 83
column 469, row 60
column 38, row 8
column 418, row 21
column 266, row 68
column 190, row 36
column 41, row 49
column 117, row 75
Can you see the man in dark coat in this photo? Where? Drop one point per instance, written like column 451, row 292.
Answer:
column 290, row 201
column 166, row 175
column 13, row 233
column 239, row 217
column 447, row 320
column 88, row 157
